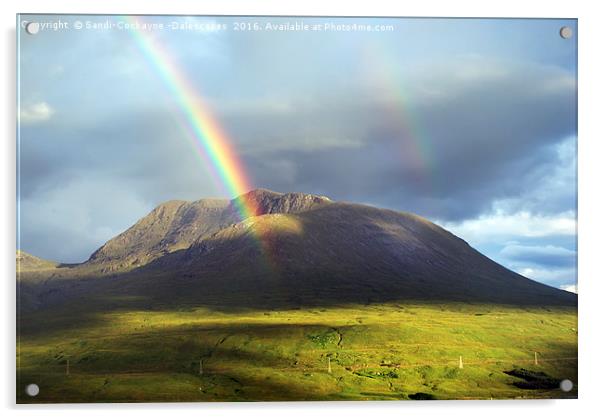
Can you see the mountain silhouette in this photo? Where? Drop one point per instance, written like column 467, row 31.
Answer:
column 285, row 251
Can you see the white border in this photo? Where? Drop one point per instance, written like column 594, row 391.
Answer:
column 590, row 208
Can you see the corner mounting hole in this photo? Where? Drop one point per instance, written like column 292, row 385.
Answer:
column 32, row 28
column 566, row 32
column 566, row 385
column 32, row 389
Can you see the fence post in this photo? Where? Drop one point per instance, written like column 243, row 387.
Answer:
column 461, row 364
column 329, row 368
column 536, row 363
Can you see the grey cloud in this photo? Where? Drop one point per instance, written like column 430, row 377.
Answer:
column 66, row 224
column 83, row 185
column 549, row 255
column 143, row 148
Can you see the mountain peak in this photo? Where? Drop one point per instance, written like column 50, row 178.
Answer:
column 26, row 261
column 264, row 202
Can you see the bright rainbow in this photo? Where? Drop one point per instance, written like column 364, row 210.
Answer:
column 208, row 137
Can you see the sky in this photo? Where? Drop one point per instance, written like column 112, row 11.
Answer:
column 470, row 123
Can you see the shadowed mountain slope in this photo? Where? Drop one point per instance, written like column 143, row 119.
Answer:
column 349, row 253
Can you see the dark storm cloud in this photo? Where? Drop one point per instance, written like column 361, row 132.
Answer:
column 491, row 135
column 143, row 148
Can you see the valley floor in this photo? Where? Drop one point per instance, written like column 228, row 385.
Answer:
column 365, row 352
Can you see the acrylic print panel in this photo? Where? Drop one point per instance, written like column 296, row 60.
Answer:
column 222, row 208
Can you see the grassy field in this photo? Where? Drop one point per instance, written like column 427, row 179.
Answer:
column 375, row 352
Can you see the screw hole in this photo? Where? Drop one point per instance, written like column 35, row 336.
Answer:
column 566, row 32
column 32, row 389
column 566, row 385
column 32, row 28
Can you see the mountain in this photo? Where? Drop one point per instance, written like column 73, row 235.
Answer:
column 171, row 226
column 28, row 262
column 177, row 224
column 293, row 250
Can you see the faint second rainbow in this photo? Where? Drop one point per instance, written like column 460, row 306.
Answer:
column 381, row 67
column 208, row 136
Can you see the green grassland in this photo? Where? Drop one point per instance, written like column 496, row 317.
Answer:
column 376, row 352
